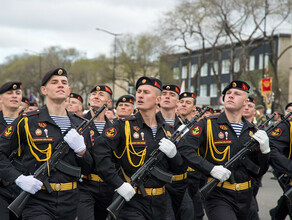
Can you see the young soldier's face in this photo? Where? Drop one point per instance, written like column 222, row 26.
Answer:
column 98, row 98
column 124, row 109
column 147, row 97
column 186, row 106
column 235, row 99
column 289, row 109
column 249, row 110
column 12, row 99
column 74, row 105
column 57, row 88
column 169, row 99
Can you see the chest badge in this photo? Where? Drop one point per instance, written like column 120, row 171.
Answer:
column 168, row 133
column 38, row 132
column 250, row 134
column 221, row 135
column 226, row 135
column 42, row 124
column 136, row 128
column 136, row 135
column 142, row 135
column 91, row 133
column 223, row 127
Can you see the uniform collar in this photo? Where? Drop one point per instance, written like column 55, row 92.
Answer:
column 222, row 119
column 2, row 121
column 141, row 123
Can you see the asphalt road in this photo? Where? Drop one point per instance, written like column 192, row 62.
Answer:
column 267, row 197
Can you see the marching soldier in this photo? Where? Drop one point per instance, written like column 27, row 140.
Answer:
column 182, row 206
column 11, row 96
column 75, row 104
column 130, row 141
column 34, row 136
column 186, row 109
column 95, row 194
column 125, row 106
column 213, row 141
column 280, row 141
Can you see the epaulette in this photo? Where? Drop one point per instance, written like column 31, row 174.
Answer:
column 27, row 114
column 130, row 118
column 212, row 117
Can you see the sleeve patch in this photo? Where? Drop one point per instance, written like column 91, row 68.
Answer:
column 111, row 132
column 276, row 132
column 197, row 130
column 9, row 131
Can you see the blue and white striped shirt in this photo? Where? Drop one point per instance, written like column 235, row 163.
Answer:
column 63, row 122
column 237, row 127
column 9, row 120
column 99, row 126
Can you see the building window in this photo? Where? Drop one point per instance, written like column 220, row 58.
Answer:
column 184, row 71
column 204, row 70
column 213, row 90
column 236, row 65
column 194, row 70
column 223, row 85
column 216, row 67
column 225, row 66
column 251, row 63
column 176, row 73
column 203, row 90
column 261, row 61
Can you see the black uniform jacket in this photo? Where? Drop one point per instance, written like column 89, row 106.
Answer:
column 3, row 123
column 44, row 132
column 198, row 153
column 141, row 138
column 280, row 140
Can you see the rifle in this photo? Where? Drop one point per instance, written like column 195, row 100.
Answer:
column 240, row 155
column 149, row 168
column 54, row 162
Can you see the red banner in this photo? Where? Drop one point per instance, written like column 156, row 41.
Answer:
column 266, row 85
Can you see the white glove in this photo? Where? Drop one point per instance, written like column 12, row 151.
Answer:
column 180, row 128
column 29, row 183
column 126, row 190
column 220, row 173
column 263, row 139
column 167, row 147
column 75, row 141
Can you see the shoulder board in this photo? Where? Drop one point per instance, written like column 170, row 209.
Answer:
column 212, row 117
column 130, row 118
column 27, row 114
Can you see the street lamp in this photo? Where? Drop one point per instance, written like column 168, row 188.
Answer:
column 40, row 61
column 115, row 55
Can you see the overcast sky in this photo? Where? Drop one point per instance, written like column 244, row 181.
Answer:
column 38, row 24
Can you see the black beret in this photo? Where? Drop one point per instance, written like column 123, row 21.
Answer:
column 102, row 88
column 173, row 88
column 187, row 95
column 33, row 104
column 24, row 99
column 237, row 84
column 10, row 86
column 251, row 99
column 76, row 96
column 126, row 98
column 55, row 72
column 144, row 80
column 288, row 105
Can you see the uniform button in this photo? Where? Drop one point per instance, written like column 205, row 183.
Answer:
column 58, row 187
column 237, row 187
column 154, row 191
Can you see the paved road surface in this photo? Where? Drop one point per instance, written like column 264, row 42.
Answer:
column 268, row 196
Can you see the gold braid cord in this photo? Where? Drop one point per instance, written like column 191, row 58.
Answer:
column 31, row 144
column 212, row 147
column 130, row 149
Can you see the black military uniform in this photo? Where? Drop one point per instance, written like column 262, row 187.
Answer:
column 213, row 142
column 280, row 160
column 95, row 194
column 8, row 191
column 34, row 136
column 131, row 141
